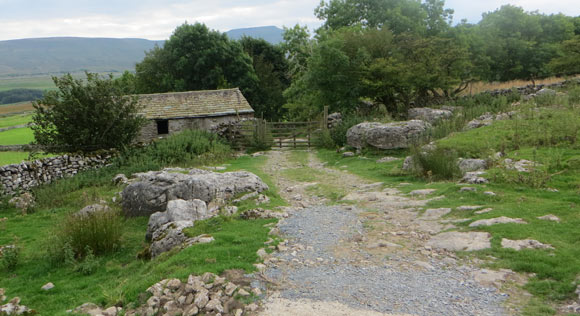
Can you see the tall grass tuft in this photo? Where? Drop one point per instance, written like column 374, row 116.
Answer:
column 84, row 235
column 437, row 164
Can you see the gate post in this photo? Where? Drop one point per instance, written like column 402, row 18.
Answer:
column 325, row 118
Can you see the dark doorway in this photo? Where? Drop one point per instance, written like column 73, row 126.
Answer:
column 162, row 127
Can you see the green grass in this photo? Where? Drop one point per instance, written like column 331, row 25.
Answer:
column 555, row 271
column 12, row 157
column 547, row 127
column 15, row 120
column 119, row 277
column 17, row 136
column 40, row 82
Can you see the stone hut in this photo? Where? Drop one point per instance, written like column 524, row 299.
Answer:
column 169, row 113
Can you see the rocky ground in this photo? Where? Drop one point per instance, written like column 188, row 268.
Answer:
column 369, row 254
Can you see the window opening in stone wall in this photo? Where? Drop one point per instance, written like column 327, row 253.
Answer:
column 162, row 127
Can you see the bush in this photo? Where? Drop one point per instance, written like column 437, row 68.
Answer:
column 10, row 257
column 82, row 236
column 86, row 116
column 574, row 95
column 438, row 164
column 323, row 139
column 338, row 133
column 190, row 146
column 546, row 99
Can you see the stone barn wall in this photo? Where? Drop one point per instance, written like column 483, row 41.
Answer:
column 149, row 131
column 26, row 175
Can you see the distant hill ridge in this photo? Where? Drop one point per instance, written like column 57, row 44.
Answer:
column 55, row 55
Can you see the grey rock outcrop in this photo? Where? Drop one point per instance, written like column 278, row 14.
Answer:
column 460, row 241
column 474, row 177
column 429, row 115
column 171, row 235
column 386, row 135
column 470, row 165
column 518, row 245
column 497, row 220
column 92, row 209
column 153, row 190
column 334, row 119
column 546, row 91
column 177, row 211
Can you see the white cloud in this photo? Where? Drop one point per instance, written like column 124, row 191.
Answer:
column 156, row 19
column 472, row 10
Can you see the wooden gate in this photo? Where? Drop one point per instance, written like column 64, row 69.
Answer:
column 292, row 134
column 260, row 133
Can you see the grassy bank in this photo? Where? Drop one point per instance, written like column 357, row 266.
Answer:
column 119, row 277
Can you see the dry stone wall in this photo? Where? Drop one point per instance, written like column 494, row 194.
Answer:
column 28, row 174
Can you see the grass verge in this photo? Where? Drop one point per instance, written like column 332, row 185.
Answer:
column 17, row 136
column 118, row 278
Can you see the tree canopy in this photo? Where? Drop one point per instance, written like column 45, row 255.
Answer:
column 85, row 115
column 196, row 58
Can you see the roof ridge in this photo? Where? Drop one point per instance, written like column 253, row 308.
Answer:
column 190, row 92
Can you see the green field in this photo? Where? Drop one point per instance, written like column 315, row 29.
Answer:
column 15, row 120
column 12, row 157
column 40, row 82
column 18, row 136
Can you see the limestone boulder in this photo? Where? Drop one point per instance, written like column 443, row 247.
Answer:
column 460, row 241
column 178, row 210
column 518, row 245
column 497, row 220
column 386, row 135
column 153, row 190
column 470, row 165
column 92, row 209
column 429, row 115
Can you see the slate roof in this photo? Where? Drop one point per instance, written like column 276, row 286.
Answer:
column 192, row 104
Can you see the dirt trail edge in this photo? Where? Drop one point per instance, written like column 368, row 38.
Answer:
column 364, row 254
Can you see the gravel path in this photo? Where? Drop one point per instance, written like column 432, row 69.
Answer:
column 329, row 265
column 319, row 230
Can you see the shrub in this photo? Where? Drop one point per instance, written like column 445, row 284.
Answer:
column 574, row 95
column 187, row 147
column 89, row 264
column 10, row 257
column 323, row 139
column 438, row 164
column 338, row 133
column 86, row 115
column 546, row 99
column 82, row 236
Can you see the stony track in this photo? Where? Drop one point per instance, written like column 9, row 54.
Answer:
column 333, row 265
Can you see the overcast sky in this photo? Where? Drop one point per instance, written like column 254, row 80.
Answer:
column 156, row 19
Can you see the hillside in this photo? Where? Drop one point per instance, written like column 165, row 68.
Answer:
column 271, row 34
column 70, row 54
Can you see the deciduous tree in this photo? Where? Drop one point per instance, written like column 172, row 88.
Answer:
column 86, row 115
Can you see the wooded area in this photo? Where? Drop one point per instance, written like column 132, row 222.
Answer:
column 368, row 56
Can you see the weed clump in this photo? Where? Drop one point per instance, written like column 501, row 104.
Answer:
column 10, row 257
column 84, row 236
column 437, row 164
